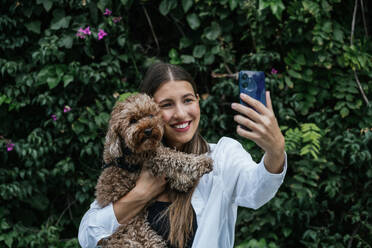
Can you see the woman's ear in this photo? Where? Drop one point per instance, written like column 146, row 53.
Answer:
column 197, row 96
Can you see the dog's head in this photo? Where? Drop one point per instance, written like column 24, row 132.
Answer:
column 137, row 123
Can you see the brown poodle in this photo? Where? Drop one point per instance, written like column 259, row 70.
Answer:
column 133, row 141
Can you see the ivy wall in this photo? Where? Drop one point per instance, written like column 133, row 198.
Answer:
column 64, row 63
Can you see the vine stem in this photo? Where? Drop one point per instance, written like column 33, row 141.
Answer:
column 364, row 17
column 152, row 28
column 352, row 237
column 351, row 43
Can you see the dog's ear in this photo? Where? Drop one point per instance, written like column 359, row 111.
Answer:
column 112, row 148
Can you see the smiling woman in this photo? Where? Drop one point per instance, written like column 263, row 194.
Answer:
column 206, row 215
column 180, row 110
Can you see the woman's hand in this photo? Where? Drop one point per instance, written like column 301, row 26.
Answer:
column 263, row 129
column 147, row 188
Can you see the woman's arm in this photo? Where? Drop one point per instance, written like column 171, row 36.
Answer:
column 99, row 223
column 263, row 130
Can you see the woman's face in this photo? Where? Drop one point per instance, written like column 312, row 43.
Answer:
column 180, row 111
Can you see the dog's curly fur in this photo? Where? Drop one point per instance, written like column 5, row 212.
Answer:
column 136, row 124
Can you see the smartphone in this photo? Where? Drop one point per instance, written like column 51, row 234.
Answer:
column 252, row 83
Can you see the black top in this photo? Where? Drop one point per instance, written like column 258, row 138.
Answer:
column 161, row 226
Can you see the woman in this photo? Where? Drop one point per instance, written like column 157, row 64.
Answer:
column 236, row 180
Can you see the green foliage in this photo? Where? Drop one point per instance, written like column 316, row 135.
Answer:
column 57, row 91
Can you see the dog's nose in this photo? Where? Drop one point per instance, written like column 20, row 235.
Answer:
column 148, row 131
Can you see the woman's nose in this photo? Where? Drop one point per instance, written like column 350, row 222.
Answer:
column 180, row 112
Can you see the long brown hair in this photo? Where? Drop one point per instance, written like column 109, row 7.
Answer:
column 180, row 211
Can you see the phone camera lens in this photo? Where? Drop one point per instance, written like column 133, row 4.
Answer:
column 244, row 76
column 251, row 85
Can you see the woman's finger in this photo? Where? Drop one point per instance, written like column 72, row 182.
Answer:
column 246, row 111
column 247, row 134
column 268, row 101
column 246, row 122
column 257, row 105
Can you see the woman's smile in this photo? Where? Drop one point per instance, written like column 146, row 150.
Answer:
column 182, row 126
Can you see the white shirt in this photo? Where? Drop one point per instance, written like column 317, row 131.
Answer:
column 236, row 180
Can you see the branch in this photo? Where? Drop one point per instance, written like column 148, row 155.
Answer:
column 364, row 17
column 152, row 29
column 351, row 43
column 352, row 237
column 353, row 22
column 175, row 21
column 64, row 211
column 360, row 88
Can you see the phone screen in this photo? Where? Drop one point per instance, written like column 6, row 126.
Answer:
column 252, row 83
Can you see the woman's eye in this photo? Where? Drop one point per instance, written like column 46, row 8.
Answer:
column 165, row 105
column 132, row 121
column 189, row 100
column 151, row 115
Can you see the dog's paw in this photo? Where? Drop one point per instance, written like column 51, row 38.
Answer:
column 205, row 164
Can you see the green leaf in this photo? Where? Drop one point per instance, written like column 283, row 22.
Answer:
column 173, row 53
column 344, row 112
column 263, row 4
column 126, row 95
column 213, row 31
column 187, row 59
column 8, row 241
column 103, row 4
column 67, row 79
column 60, row 20
column 66, row 41
column 121, row 40
column 233, row 4
column 199, row 51
column 34, row 26
column 277, row 8
column 338, row 35
column 166, row 6
column 46, row 3
column 53, row 82
column 186, row 5
column 294, row 74
column 288, row 82
column 193, row 21
column 209, row 59
column 185, row 42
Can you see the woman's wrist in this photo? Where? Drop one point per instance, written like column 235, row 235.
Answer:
column 139, row 194
column 274, row 161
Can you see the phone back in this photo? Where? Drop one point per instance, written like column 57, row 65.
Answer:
column 252, row 83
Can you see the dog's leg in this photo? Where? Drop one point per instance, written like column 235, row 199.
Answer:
column 181, row 169
column 137, row 233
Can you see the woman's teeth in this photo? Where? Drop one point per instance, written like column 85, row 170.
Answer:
column 182, row 125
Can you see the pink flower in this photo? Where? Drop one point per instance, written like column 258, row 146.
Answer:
column 101, row 34
column 87, row 31
column 54, row 117
column 81, row 33
column 9, row 147
column 66, row 109
column 274, row 71
column 107, row 12
column 117, row 19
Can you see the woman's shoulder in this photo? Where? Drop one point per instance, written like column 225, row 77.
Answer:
column 223, row 144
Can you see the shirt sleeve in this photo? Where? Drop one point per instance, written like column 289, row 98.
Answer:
column 246, row 183
column 97, row 223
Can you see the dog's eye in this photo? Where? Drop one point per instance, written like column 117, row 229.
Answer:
column 132, row 121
